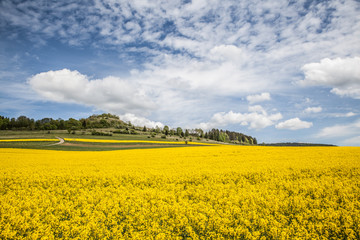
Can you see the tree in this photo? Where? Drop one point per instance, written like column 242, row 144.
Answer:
column 179, row 131
column 144, row 129
column 186, row 133
column 4, row 123
column 172, row 132
column 22, row 122
column 223, row 137
column 206, row 135
column 166, row 130
column 61, row 124
column 73, row 124
column 83, row 123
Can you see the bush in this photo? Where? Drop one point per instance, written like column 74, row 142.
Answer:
column 163, row 136
column 100, row 133
column 121, row 131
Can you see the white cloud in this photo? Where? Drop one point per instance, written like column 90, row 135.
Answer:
column 257, row 118
column 258, row 98
column 353, row 141
column 340, row 131
column 226, row 53
column 110, row 94
column 258, row 109
column 341, row 74
column 225, row 78
column 349, row 114
column 313, row 110
column 294, row 124
column 140, row 121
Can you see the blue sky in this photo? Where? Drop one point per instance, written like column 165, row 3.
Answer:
column 277, row 70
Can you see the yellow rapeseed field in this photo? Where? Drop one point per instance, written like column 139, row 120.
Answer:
column 212, row 192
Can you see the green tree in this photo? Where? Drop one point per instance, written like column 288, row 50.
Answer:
column 186, row 133
column 83, row 123
column 166, row 130
column 223, row 137
column 22, row 122
column 73, row 124
column 206, row 135
column 179, row 131
column 4, row 123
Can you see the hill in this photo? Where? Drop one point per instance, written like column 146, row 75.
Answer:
column 107, row 124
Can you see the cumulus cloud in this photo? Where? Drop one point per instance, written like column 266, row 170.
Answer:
column 294, row 124
column 256, row 118
column 258, row 98
column 313, row 110
column 140, row 121
column 340, row 74
column 110, row 94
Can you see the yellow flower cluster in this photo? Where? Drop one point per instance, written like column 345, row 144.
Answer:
column 130, row 141
column 222, row 192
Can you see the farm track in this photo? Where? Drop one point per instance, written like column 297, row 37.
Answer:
column 61, row 141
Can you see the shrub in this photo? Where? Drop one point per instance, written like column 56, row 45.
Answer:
column 100, row 133
column 121, row 131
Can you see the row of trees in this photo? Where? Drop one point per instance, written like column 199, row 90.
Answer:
column 230, row 136
column 113, row 121
column 25, row 123
column 214, row 134
column 95, row 121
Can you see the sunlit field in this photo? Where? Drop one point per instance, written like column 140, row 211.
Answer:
column 203, row 192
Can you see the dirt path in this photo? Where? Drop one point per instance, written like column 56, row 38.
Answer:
column 61, row 141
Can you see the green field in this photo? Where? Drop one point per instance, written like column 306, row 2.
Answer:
column 89, row 146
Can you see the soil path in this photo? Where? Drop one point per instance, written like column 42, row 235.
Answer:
column 61, row 141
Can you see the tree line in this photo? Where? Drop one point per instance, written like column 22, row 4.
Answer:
column 94, row 121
